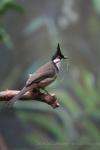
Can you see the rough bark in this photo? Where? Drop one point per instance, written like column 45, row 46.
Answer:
column 50, row 99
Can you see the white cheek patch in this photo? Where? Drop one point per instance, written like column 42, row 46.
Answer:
column 57, row 61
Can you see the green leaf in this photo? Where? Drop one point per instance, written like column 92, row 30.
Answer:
column 5, row 38
column 10, row 5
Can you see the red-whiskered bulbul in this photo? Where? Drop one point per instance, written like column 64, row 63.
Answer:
column 44, row 76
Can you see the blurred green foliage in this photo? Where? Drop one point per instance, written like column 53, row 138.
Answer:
column 5, row 38
column 97, row 5
column 37, row 23
column 8, row 5
column 75, row 123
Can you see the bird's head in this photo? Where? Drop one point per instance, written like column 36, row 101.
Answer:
column 58, row 54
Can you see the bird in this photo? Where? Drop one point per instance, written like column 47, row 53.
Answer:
column 42, row 77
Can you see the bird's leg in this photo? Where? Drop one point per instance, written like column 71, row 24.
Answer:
column 45, row 91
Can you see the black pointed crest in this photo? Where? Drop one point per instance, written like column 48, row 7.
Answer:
column 58, row 53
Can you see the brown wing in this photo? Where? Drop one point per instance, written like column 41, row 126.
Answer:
column 37, row 77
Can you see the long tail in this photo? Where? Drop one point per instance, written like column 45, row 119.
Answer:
column 11, row 102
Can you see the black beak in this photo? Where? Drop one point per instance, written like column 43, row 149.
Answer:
column 65, row 57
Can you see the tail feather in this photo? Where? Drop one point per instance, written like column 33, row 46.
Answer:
column 11, row 102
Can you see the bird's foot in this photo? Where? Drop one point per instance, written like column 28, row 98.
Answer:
column 43, row 89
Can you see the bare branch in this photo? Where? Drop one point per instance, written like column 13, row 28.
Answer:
column 50, row 99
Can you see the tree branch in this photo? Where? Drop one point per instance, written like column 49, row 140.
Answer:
column 50, row 99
